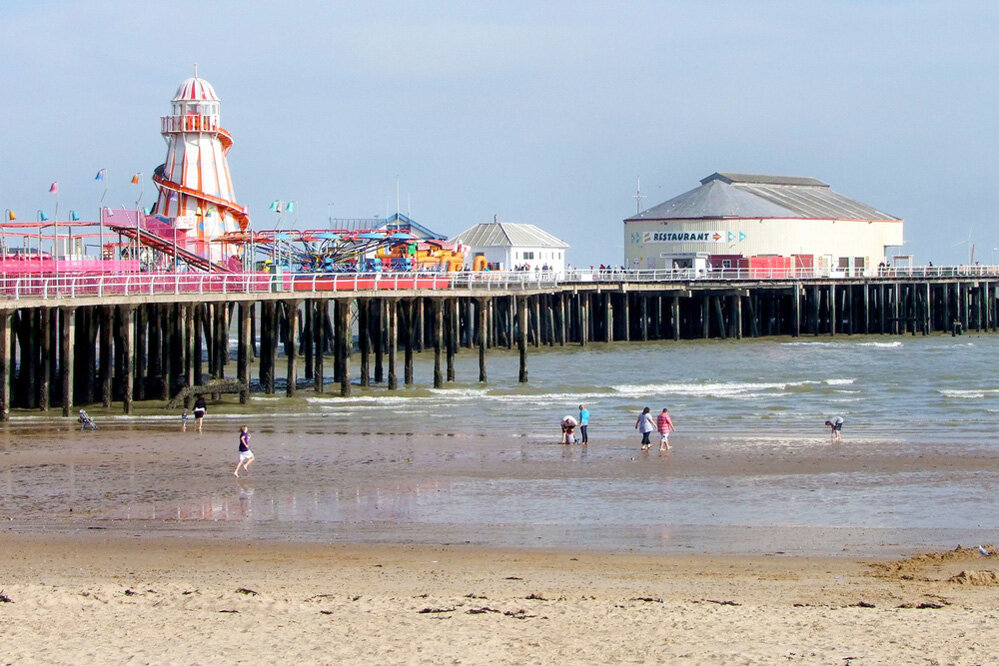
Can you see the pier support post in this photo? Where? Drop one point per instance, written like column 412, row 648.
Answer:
column 320, row 343
column 44, row 358
column 832, row 309
column 364, row 338
column 243, row 353
column 720, row 314
column 345, row 344
column 309, row 322
column 643, row 314
column 675, row 317
column 705, row 316
column 480, row 304
column 796, row 310
column 67, row 336
column 522, row 336
column 378, row 335
column 127, row 338
column 409, row 310
column 5, row 366
column 106, row 367
column 289, row 348
column 392, row 320
column 608, row 317
column 561, row 319
column 626, row 317
column 451, row 339
column 438, row 314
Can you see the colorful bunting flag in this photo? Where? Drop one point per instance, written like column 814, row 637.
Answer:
column 100, row 174
column 54, row 188
column 135, row 179
column 42, row 216
column 275, row 206
column 10, row 215
column 73, row 216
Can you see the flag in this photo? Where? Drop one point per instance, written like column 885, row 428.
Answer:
column 100, row 174
column 10, row 215
column 73, row 216
column 135, row 179
column 275, row 206
column 54, row 188
column 42, row 216
column 290, row 207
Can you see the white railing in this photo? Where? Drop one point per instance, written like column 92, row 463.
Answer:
column 144, row 284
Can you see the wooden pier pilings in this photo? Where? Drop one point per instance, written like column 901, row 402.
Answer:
column 75, row 352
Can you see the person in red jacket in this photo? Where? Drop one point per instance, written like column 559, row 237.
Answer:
column 665, row 425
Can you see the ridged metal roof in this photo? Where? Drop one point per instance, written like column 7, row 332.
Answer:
column 730, row 195
column 508, row 234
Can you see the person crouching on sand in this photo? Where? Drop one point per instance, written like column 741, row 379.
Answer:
column 835, row 429
column 245, row 454
column 569, row 430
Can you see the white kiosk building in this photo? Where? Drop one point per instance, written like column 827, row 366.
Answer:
column 508, row 246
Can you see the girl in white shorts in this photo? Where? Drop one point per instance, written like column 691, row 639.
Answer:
column 245, row 454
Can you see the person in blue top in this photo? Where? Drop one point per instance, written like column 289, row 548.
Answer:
column 245, row 454
column 584, row 420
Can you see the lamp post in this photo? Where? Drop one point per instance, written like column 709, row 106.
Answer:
column 137, row 180
column 8, row 217
column 41, row 217
column 102, row 175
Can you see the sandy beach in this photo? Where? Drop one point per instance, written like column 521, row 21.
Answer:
column 450, row 527
column 103, row 597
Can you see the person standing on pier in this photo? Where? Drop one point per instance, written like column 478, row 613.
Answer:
column 584, row 420
column 645, row 425
column 665, row 426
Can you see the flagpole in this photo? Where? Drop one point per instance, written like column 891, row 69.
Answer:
column 138, row 228
column 100, row 215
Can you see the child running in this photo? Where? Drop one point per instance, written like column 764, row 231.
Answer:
column 245, row 454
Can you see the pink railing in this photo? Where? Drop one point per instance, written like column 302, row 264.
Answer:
column 18, row 285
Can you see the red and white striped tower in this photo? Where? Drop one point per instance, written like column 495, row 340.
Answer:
column 195, row 188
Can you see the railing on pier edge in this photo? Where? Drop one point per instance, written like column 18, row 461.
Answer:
column 191, row 283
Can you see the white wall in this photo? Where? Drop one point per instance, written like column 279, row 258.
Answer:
column 784, row 237
column 510, row 257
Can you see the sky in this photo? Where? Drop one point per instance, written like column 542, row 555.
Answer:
column 537, row 112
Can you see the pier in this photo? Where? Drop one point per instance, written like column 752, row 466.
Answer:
column 76, row 341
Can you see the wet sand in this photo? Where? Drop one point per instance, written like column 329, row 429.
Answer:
column 100, row 598
column 314, row 482
column 389, row 545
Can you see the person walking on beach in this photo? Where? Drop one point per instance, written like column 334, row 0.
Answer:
column 200, row 409
column 665, row 426
column 183, row 421
column 245, row 454
column 835, row 429
column 584, row 420
column 645, row 425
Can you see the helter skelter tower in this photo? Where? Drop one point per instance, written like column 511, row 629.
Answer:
column 195, row 188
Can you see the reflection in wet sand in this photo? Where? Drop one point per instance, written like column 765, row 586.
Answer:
column 482, row 464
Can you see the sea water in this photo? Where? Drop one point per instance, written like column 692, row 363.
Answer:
column 752, row 470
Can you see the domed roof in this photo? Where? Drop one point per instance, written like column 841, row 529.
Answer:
column 195, row 88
